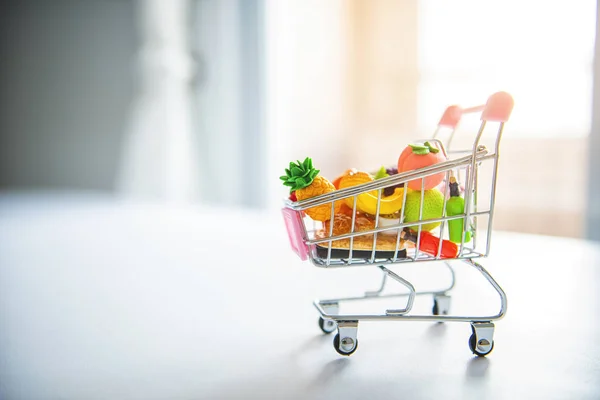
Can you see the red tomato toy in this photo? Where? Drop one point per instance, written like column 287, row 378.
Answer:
column 417, row 156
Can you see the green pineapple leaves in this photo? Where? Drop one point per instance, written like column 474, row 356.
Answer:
column 299, row 175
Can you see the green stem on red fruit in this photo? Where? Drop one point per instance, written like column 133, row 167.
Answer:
column 432, row 149
column 419, row 149
column 423, row 149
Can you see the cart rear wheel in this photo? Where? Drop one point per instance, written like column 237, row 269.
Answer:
column 327, row 325
column 473, row 347
column 349, row 345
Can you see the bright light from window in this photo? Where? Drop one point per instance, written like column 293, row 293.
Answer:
column 539, row 51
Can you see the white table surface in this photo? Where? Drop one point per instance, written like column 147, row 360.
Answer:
column 106, row 300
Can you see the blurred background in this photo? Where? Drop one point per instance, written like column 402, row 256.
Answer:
column 206, row 101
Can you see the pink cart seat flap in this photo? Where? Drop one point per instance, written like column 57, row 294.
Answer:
column 293, row 224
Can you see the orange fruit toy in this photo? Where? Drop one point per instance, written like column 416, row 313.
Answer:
column 337, row 180
column 417, row 156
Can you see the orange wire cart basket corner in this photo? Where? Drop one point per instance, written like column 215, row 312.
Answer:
column 401, row 242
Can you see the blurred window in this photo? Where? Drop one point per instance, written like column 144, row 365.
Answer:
column 470, row 48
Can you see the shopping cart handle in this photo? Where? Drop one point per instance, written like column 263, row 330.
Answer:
column 498, row 107
column 451, row 117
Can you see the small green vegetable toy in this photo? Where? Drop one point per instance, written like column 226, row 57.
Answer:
column 456, row 206
column 382, row 173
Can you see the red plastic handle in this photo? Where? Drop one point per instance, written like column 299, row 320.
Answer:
column 451, row 117
column 498, row 107
column 430, row 244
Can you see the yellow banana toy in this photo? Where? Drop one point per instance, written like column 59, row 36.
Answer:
column 367, row 202
column 388, row 204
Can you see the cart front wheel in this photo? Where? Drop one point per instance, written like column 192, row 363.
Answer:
column 483, row 342
column 327, row 325
column 348, row 345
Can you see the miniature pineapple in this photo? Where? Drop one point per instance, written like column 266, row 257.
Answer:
column 305, row 182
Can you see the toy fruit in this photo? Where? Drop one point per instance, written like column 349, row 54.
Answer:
column 367, row 202
column 305, row 183
column 345, row 210
column 336, row 181
column 355, row 178
column 388, row 191
column 433, row 207
column 382, row 173
column 455, row 205
column 416, row 156
column 389, row 204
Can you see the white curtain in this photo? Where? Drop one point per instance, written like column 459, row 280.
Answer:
column 158, row 159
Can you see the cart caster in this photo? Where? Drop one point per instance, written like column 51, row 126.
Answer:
column 441, row 304
column 327, row 325
column 348, row 343
column 481, row 341
column 330, row 308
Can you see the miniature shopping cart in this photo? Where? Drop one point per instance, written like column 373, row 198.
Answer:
column 474, row 170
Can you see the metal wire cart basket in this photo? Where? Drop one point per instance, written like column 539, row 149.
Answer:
column 463, row 235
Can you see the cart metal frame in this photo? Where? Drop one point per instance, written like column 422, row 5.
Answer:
column 306, row 235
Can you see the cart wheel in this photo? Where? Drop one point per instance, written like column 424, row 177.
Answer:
column 349, row 343
column 473, row 347
column 327, row 325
